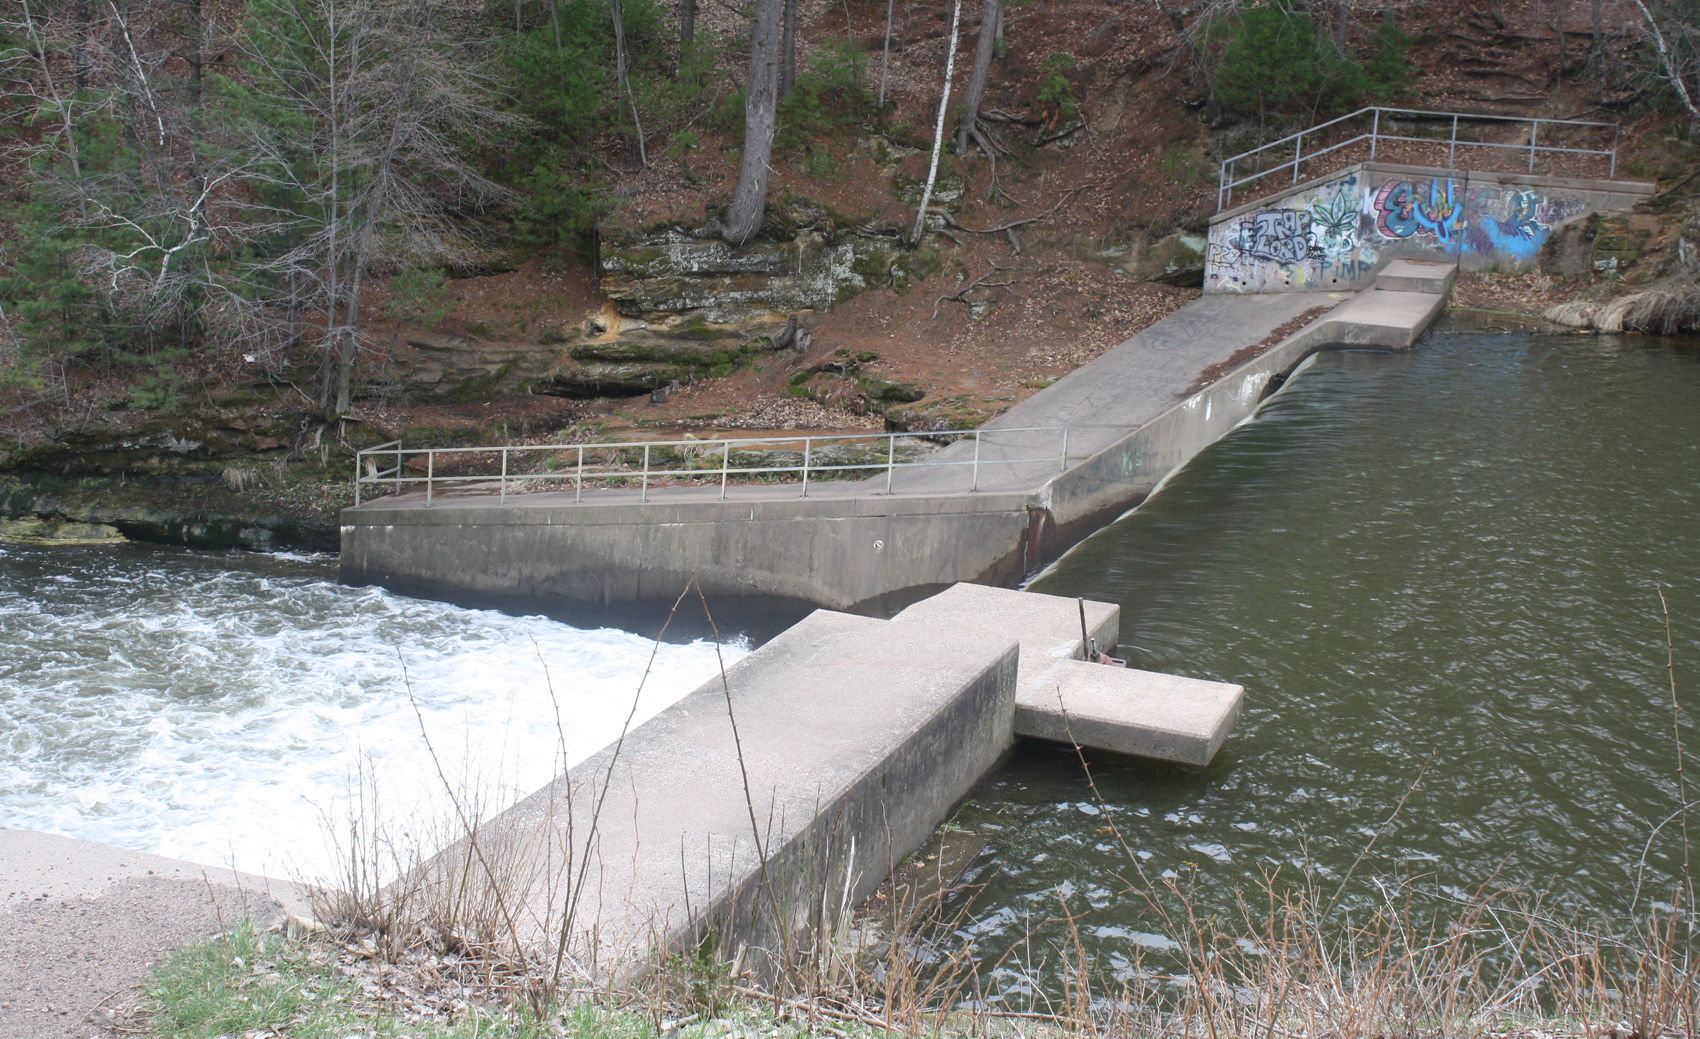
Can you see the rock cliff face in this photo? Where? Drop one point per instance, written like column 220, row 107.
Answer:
column 686, row 306
column 679, row 307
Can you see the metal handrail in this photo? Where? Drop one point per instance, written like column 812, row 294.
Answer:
column 1226, row 182
column 385, row 466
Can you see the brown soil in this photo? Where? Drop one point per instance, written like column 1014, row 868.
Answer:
column 1142, row 164
column 1009, row 310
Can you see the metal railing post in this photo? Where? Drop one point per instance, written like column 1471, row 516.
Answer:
column 1374, row 133
column 1298, row 153
column 430, row 474
column 643, row 491
column 1452, row 145
column 975, row 485
column 1064, row 459
column 359, row 456
column 807, row 444
column 398, row 467
column 578, row 477
column 504, row 476
column 725, row 465
column 890, row 459
column 1534, row 126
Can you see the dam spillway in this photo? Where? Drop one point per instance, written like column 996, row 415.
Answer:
column 1131, row 416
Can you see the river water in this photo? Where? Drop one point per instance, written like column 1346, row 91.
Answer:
column 1437, row 576
column 236, row 709
column 1435, row 573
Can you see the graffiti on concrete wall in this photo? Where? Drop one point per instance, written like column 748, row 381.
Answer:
column 1403, row 209
column 1338, row 233
column 1281, row 235
column 1335, row 218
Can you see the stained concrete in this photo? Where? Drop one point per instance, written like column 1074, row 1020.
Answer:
column 1062, row 698
column 1127, row 711
column 1137, row 414
column 82, row 923
column 753, row 811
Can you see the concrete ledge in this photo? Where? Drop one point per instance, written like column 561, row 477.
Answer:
column 854, row 739
column 1383, row 319
column 1120, row 710
column 1435, row 278
column 1126, row 711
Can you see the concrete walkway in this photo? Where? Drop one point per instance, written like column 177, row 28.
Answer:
column 1137, row 413
column 81, row 924
column 1124, row 388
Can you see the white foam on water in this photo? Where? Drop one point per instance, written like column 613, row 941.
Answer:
column 230, row 710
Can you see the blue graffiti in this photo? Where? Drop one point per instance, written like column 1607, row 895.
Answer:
column 1400, row 213
column 1520, row 233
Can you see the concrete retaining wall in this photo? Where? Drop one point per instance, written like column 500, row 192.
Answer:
column 846, row 547
column 1337, row 232
column 836, row 551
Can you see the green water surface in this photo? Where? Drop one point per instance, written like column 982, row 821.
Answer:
column 1443, row 564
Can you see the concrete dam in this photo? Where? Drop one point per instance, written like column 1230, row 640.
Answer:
column 855, row 736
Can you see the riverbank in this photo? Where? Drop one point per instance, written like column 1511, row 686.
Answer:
column 1290, row 968
column 263, row 497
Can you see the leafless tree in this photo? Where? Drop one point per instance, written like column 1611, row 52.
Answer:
column 991, row 18
column 938, row 129
column 761, row 117
column 357, row 132
column 1676, row 39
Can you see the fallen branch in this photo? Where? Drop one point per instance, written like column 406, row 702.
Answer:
column 1001, row 228
column 961, row 294
column 797, row 1005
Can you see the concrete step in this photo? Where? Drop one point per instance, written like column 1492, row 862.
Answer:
column 1120, row 710
column 1127, row 711
column 1388, row 318
column 1417, row 276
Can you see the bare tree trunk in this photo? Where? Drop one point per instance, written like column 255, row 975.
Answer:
column 687, row 31
column 991, row 13
column 761, row 115
column 938, row 130
column 788, row 57
column 80, row 61
column 1597, row 49
column 885, row 54
column 1674, row 71
column 625, row 82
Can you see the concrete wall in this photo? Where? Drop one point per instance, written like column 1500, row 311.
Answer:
column 841, row 549
column 1335, row 233
column 854, row 738
column 870, row 553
